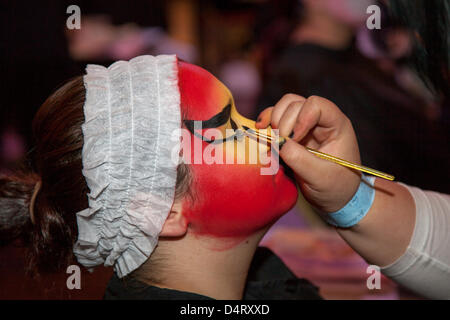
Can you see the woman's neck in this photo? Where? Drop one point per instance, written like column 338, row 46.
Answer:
column 320, row 29
column 212, row 267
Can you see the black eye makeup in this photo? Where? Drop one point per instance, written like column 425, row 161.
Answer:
column 218, row 120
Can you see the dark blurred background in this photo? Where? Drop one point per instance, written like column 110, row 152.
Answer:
column 261, row 49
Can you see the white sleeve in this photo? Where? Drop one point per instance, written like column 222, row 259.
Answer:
column 425, row 265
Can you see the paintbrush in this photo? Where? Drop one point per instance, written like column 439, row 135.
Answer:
column 322, row 155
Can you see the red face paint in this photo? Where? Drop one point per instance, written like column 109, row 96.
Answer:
column 230, row 200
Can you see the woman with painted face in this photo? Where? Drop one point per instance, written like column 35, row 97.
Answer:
column 116, row 180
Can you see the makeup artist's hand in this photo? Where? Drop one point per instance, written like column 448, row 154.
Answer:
column 317, row 123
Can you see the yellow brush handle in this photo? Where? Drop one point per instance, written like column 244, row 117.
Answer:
column 328, row 157
column 352, row 165
column 345, row 163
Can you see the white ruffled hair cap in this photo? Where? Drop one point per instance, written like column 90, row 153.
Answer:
column 131, row 111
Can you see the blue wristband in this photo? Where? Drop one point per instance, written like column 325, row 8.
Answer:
column 357, row 207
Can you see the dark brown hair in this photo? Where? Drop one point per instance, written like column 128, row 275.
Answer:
column 56, row 162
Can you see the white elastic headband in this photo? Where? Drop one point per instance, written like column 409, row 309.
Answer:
column 131, row 111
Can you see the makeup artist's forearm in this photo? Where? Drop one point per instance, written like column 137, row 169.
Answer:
column 384, row 233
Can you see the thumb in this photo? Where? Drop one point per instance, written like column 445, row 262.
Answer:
column 304, row 164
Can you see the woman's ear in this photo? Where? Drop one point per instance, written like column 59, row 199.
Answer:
column 176, row 224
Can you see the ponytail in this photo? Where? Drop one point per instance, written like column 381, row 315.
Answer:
column 15, row 196
column 38, row 203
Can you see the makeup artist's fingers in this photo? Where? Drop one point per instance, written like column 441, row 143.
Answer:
column 320, row 180
column 289, row 118
column 281, row 106
column 264, row 118
column 306, row 166
column 318, row 111
column 272, row 115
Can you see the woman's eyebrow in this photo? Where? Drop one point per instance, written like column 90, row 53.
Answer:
column 216, row 121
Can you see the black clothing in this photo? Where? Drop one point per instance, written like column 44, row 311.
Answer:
column 392, row 133
column 268, row 279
